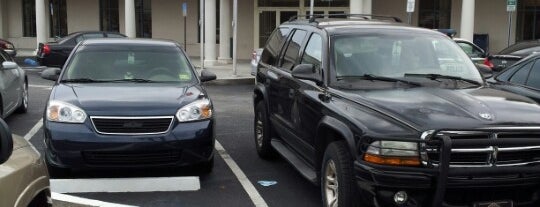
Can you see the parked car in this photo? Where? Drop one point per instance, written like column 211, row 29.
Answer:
column 379, row 113
column 13, row 87
column 128, row 103
column 477, row 54
column 23, row 174
column 512, row 54
column 8, row 47
column 54, row 54
column 521, row 78
column 255, row 57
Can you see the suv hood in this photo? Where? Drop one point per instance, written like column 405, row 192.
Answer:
column 126, row 99
column 436, row 108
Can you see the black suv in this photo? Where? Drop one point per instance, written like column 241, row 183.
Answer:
column 383, row 114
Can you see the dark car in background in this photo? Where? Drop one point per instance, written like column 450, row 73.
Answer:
column 8, row 47
column 512, row 54
column 54, row 54
column 522, row 78
column 125, row 103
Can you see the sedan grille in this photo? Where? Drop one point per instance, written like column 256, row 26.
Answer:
column 485, row 156
column 132, row 125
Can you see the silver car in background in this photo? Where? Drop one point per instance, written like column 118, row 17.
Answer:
column 13, row 86
column 255, row 58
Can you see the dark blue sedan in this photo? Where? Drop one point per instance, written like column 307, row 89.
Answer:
column 128, row 103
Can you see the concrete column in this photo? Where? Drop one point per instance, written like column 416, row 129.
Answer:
column 224, row 32
column 130, row 26
column 210, row 33
column 355, row 6
column 2, row 12
column 467, row 20
column 41, row 22
column 366, row 7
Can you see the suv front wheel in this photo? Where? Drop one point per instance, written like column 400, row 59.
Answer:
column 262, row 132
column 337, row 186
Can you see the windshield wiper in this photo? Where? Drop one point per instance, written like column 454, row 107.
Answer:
column 80, row 80
column 380, row 78
column 433, row 76
column 137, row 80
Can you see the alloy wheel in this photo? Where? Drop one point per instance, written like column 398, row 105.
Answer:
column 331, row 184
column 259, row 130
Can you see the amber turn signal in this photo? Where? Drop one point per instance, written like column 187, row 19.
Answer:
column 396, row 161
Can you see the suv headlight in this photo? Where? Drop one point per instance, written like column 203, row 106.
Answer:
column 198, row 110
column 393, row 153
column 59, row 111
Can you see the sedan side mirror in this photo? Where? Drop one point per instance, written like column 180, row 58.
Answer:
column 8, row 65
column 308, row 72
column 51, row 74
column 6, row 142
column 207, row 76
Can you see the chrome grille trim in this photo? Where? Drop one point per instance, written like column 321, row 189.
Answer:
column 492, row 152
column 133, row 118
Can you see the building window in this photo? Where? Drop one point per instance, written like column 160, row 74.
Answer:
column 528, row 20
column 108, row 15
column 143, row 18
column 434, row 14
column 58, row 21
column 326, row 3
column 280, row 3
column 29, row 18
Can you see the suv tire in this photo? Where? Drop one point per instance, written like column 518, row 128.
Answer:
column 262, row 132
column 336, row 176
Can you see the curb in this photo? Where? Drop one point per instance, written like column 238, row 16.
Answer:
column 235, row 81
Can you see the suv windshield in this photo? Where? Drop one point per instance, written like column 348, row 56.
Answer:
column 118, row 63
column 394, row 54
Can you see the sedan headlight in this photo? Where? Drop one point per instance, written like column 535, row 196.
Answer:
column 59, row 111
column 393, row 153
column 198, row 110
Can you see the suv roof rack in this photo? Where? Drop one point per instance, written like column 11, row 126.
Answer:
column 313, row 17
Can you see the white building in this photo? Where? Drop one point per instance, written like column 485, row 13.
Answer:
column 25, row 22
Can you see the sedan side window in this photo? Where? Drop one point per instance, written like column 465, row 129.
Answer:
column 470, row 50
column 293, row 50
column 521, row 75
column 313, row 52
column 534, row 76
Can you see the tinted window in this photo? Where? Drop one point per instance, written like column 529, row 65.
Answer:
column 273, row 46
column 2, row 57
column 293, row 50
column 521, row 75
column 313, row 51
column 534, row 76
column 115, row 36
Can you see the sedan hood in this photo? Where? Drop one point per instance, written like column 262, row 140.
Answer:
column 127, row 99
column 435, row 108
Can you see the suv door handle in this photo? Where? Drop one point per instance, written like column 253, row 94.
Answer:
column 273, row 76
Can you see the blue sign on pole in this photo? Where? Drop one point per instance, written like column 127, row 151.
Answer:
column 184, row 9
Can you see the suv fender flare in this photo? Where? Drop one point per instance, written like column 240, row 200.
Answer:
column 341, row 128
column 259, row 92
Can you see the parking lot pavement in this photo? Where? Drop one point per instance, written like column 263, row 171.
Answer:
column 234, row 181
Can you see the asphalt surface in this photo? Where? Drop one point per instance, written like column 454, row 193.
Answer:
column 234, row 130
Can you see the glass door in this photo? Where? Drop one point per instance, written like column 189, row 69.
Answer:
column 270, row 19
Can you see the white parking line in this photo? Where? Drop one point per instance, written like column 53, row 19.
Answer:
column 34, row 130
column 84, row 201
column 121, row 185
column 256, row 198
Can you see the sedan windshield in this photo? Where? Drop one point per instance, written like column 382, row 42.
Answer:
column 121, row 63
column 395, row 54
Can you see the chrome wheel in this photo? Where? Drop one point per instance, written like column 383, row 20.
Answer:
column 25, row 96
column 259, row 130
column 331, row 184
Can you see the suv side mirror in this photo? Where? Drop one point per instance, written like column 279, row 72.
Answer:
column 6, row 142
column 484, row 70
column 207, row 76
column 307, row 72
column 51, row 74
column 8, row 65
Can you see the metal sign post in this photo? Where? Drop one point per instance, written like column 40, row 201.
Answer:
column 410, row 10
column 235, row 34
column 201, row 24
column 184, row 13
column 510, row 8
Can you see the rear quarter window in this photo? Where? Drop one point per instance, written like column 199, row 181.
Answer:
column 273, row 46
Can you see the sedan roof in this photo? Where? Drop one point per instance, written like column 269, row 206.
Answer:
column 125, row 41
